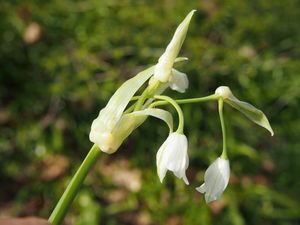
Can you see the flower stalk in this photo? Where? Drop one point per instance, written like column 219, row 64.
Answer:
column 70, row 193
column 208, row 98
column 220, row 107
column 178, row 109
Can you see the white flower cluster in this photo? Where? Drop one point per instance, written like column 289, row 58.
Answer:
column 114, row 124
column 172, row 155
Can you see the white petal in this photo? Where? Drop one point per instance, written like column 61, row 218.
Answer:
column 209, row 198
column 178, row 81
column 202, row 188
column 185, row 179
column 160, row 163
column 216, row 179
column 217, row 176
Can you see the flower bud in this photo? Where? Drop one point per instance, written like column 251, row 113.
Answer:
column 224, row 92
column 163, row 69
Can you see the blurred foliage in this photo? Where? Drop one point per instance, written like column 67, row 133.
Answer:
column 61, row 60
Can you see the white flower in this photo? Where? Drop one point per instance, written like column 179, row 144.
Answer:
column 172, row 155
column 215, row 180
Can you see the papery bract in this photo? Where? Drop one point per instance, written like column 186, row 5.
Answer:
column 163, row 69
column 254, row 114
column 102, row 127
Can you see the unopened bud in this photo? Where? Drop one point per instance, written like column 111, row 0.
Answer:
column 224, row 92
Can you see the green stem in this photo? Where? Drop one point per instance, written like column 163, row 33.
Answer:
column 141, row 100
column 68, row 196
column 220, row 106
column 196, row 100
column 178, row 109
column 130, row 109
column 134, row 98
column 147, row 93
column 187, row 101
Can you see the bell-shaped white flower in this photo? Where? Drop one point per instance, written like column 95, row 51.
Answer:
column 215, row 180
column 163, row 69
column 172, row 155
column 251, row 112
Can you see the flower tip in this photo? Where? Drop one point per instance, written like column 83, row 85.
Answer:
column 186, row 180
column 201, row 189
column 161, row 175
column 271, row 131
column 190, row 15
column 210, row 198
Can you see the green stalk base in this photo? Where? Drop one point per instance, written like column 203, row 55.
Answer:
column 70, row 193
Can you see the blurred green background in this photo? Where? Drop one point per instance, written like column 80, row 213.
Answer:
column 61, row 60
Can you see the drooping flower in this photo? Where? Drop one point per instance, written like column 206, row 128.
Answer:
column 215, row 180
column 172, row 155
